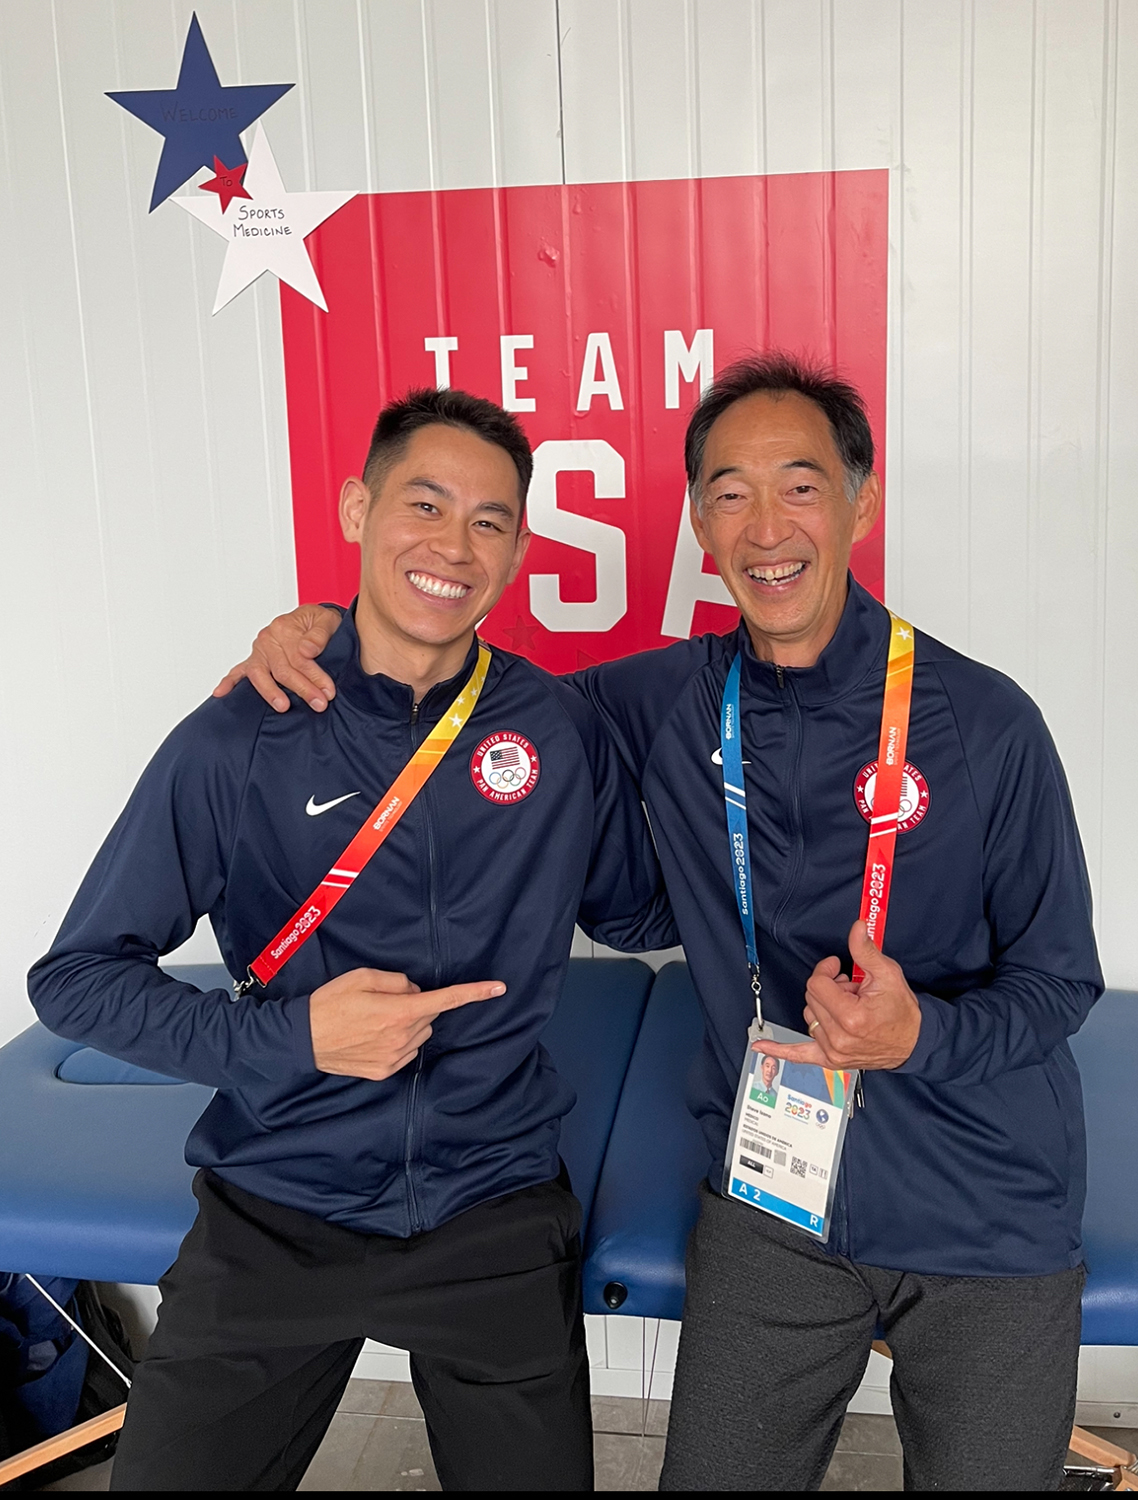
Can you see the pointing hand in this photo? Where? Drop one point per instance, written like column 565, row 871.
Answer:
column 874, row 1024
column 369, row 1023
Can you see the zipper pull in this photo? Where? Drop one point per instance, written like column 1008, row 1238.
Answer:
column 780, row 675
column 414, row 713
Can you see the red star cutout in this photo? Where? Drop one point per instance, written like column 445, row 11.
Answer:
column 227, row 184
column 521, row 634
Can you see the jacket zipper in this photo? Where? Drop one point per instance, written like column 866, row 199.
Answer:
column 841, row 1206
column 413, row 1095
column 794, row 756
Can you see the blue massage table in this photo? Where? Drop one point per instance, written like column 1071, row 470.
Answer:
column 93, row 1183
column 1106, row 1051
column 646, row 1199
column 93, row 1180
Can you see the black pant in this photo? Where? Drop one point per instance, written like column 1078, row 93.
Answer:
column 266, row 1308
column 776, row 1338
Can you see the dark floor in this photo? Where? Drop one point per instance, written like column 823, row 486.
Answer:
column 377, row 1441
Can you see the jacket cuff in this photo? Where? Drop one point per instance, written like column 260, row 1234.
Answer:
column 296, row 1013
column 933, row 1020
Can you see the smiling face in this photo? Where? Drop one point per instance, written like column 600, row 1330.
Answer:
column 440, row 538
column 775, row 515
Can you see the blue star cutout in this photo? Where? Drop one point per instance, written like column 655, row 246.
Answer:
column 199, row 119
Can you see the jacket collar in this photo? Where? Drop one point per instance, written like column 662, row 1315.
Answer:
column 857, row 649
column 376, row 694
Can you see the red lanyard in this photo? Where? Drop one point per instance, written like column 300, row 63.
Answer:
column 378, row 824
column 885, row 814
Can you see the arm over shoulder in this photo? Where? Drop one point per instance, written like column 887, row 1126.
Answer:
column 624, row 904
column 635, row 694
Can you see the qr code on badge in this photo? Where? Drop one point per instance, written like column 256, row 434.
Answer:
column 797, row 1166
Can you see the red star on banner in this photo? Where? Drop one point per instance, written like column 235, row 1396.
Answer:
column 521, row 634
column 227, row 184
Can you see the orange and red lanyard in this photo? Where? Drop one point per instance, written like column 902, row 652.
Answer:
column 377, row 826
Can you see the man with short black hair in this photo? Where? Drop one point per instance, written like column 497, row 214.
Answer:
column 380, row 1158
column 956, row 1213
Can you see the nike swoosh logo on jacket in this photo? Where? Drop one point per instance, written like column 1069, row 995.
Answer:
column 314, row 808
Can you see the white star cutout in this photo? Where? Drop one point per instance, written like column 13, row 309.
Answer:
column 267, row 233
column 456, row 720
column 905, row 634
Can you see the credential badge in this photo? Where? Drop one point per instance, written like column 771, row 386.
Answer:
column 505, row 767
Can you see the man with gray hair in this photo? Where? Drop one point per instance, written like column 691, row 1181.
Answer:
column 808, row 775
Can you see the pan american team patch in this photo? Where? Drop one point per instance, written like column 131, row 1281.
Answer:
column 914, row 795
column 505, row 767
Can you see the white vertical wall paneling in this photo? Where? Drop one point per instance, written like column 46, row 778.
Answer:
column 1000, row 172
column 525, row 91
column 51, row 522
column 729, row 88
column 663, row 112
column 594, row 67
column 798, row 109
column 865, row 40
column 331, row 85
column 145, row 455
column 397, row 109
column 935, row 44
column 1065, row 621
column 458, row 70
column 1118, row 891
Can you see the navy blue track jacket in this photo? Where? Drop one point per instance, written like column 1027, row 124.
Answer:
column 968, row 1160
column 238, row 817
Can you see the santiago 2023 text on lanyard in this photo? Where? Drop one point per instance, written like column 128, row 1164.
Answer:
column 378, row 824
column 790, row 1118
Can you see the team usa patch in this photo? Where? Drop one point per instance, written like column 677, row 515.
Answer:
column 914, row 795
column 505, row 767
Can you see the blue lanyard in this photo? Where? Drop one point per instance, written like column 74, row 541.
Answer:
column 735, row 797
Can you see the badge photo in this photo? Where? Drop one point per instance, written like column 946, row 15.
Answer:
column 505, row 767
column 914, row 795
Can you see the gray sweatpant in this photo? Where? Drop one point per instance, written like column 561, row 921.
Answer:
column 776, row 1337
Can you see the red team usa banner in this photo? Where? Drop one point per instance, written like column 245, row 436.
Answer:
column 596, row 312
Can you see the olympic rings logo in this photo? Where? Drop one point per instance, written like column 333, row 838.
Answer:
column 510, row 777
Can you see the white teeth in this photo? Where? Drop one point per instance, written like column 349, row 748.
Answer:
column 436, row 587
column 776, row 574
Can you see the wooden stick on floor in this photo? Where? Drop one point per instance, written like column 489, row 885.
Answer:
column 1099, row 1451
column 63, row 1442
